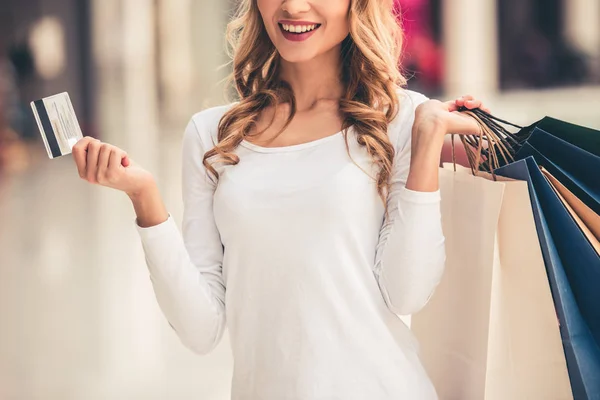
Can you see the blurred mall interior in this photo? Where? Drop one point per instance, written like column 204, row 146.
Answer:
column 78, row 318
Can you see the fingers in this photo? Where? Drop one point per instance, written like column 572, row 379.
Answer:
column 125, row 161
column 452, row 105
column 463, row 124
column 470, row 103
column 460, row 102
column 117, row 158
column 109, row 164
column 79, row 152
column 92, row 160
column 115, row 165
column 103, row 158
column 98, row 162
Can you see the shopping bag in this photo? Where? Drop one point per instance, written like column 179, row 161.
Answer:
column 585, row 138
column 511, row 141
column 585, row 217
column 490, row 330
column 581, row 262
column 574, row 167
column 579, row 189
column 574, row 273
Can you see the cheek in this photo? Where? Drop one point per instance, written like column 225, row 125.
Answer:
column 267, row 10
column 338, row 19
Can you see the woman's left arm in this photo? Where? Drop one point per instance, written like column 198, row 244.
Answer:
column 411, row 251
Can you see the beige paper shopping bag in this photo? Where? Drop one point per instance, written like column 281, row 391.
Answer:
column 490, row 331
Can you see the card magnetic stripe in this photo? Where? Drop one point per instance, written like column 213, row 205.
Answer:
column 47, row 126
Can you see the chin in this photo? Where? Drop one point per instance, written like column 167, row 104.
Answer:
column 297, row 57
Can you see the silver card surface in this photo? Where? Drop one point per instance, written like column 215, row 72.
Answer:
column 57, row 123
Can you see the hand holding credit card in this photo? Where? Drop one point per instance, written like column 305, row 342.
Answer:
column 97, row 162
column 57, row 123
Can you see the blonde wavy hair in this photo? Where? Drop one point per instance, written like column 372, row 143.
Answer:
column 370, row 73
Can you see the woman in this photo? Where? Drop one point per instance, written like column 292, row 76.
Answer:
column 311, row 207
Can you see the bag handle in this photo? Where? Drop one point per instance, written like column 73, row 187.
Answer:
column 494, row 142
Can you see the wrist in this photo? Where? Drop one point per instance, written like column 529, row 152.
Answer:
column 148, row 206
column 431, row 119
column 428, row 139
column 426, row 149
column 431, row 124
column 145, row 190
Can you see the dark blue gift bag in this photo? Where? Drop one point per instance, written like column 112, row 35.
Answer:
column 574, row 167
column 573, row 270
column 579, row 136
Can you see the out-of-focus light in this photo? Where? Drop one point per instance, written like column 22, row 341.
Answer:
column 47, row 42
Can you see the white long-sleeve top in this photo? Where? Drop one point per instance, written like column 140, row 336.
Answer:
column 291, row 250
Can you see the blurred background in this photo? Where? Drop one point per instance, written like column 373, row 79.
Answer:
column 78, row 318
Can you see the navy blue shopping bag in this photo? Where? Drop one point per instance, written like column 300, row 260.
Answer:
column 510, row 142
column 585, row 138
column 574, row 273
column 574, row 167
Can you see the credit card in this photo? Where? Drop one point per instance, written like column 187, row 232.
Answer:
column 57, row 123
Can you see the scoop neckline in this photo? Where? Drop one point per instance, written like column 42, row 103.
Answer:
column 293, row 147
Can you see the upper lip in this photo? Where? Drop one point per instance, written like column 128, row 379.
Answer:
column 301, row 23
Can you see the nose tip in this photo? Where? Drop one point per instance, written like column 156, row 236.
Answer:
column 293, row 7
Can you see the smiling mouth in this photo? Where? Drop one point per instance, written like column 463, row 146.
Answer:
column 298, row 29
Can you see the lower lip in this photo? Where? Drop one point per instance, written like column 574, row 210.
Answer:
column 297, row 37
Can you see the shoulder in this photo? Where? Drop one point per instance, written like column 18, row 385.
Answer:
column 203, row 125
column 400, row 128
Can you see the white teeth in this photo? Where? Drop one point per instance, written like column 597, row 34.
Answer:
column 298, row 28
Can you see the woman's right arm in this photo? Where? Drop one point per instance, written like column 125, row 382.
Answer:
column 185, row 268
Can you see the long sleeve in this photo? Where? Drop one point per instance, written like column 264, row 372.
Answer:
column 410, row 254
column 300, row 228
column 185, row 269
